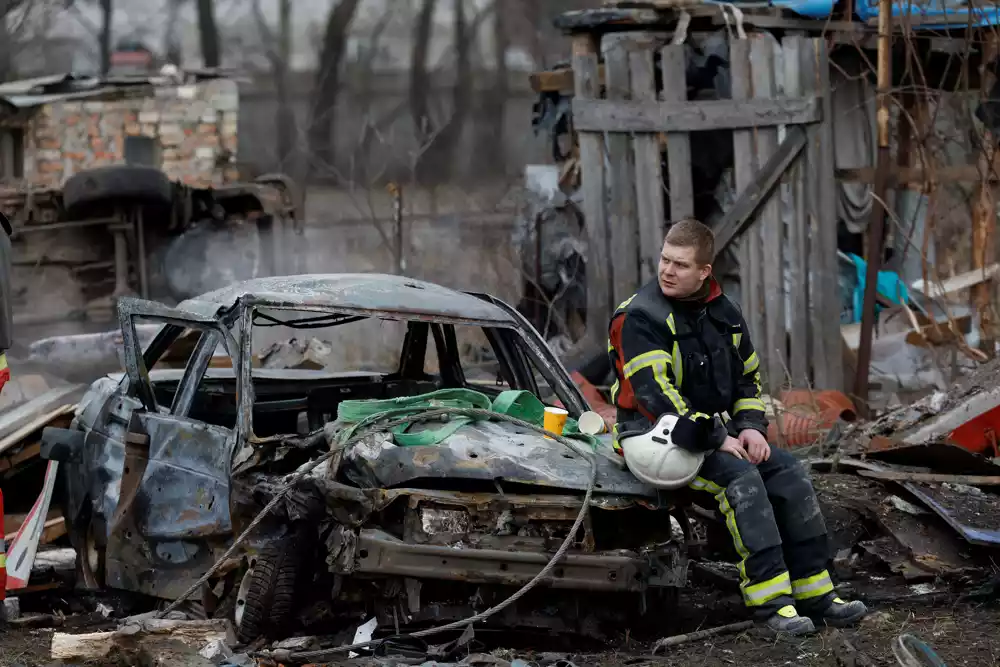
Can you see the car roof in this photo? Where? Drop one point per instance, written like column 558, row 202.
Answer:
column 381, row 294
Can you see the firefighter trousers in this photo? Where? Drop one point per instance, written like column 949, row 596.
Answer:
column 776, row 525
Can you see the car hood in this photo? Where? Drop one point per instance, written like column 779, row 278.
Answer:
column 490, row 451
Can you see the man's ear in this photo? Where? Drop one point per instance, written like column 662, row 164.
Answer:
column 706, row 271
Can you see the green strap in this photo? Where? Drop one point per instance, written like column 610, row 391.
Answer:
column 515, row 403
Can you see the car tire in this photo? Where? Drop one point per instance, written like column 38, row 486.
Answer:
column 267, row 598
column 130, row 183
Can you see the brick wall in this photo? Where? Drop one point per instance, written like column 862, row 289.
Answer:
column 190, row 126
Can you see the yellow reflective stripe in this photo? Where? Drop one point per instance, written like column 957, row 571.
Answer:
column 614, row 391
column 624, row 304
column 668, row 389
column 751, row 364
column 3, row 560
column 676, row 361
column 611, row 348
column 645, row 360
column 737, row 339
column 671, row 324
column 748, row 404
column 3, row 361
column 762, row 593
column 754, row 595
column 702, row 484
column 700, row 415
column 812, row 587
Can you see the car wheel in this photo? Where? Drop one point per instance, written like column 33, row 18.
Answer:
column 89, row 558
column 115, row 183
column 266, row 598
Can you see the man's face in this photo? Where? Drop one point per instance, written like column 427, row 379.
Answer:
column 679, row 274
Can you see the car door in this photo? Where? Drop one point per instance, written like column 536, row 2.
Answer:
column 171, row 519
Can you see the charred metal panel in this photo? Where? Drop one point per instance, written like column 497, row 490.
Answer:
column 379, row 553
column 491, row 452
column 366, row 292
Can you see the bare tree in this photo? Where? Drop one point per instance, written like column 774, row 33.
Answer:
column 171, row 44
column 209, row 33
column 494, row 101
column 107, row 17
column 437, row 161
column 327, row 87
column 279, row 53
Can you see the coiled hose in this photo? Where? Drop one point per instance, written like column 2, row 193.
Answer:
column 363, row 429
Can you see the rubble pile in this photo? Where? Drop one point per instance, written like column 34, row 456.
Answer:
column 910, row 499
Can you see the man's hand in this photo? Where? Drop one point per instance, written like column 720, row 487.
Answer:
column 733, row 446
column 755, row 445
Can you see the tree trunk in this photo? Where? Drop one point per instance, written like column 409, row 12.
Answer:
column 107, row 14
column 328, row 87
column 286, row 117
column 494, row 101
column 209, row 33
column 171, row 44
column 6, row 46
column 419, row 76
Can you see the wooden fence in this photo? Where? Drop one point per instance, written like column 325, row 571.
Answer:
column 783, row 150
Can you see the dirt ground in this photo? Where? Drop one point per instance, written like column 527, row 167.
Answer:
column 963, row 635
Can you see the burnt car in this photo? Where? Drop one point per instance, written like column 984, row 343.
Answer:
column 163, row 467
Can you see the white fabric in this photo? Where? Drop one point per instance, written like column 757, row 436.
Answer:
column 663, row 465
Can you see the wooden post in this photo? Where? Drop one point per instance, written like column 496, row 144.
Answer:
column 623, row 223
column 678, row 143
column 770, row 226
column 877, row 223
column 798, row 298
column 648, row 172
column 744, row 168
column 587, row 85
column 984, row 217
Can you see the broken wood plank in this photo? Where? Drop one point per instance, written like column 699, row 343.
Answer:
column 740, row 217
column 677, row 640
column 798, row 233
column 762, row 64
column 902, row 176
column 931, row 477
column 557, row 80
column 648, row 172
column 97, row 645
column 744, row 167
column 599, row 306
column 11, row 461
column 623, row 223
column 592, row 115
column 672, row 66
column 957, row 283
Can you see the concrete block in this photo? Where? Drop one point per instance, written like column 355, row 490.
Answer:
column 11, row 609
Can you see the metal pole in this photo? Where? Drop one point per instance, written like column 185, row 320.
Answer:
column 876, row 226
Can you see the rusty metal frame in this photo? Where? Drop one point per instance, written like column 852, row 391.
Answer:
column 378, row 553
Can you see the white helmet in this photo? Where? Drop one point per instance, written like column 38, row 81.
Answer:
column 654, row 458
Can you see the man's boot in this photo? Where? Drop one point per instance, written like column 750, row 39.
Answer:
column 787, row 621
column 836, row 613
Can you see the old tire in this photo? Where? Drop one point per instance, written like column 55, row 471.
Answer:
column 266, row 600
column 118, row 184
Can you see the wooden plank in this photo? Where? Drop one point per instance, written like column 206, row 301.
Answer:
column 762, row 64
column 984, row 213
column 678, row 144
column 931, row 477
column 648, row 172
column 599, row 306
column 825, row 269
column 10, row 462
column 901, row 176
column 739, row 217
column 957, row 283
column 617, row 116
column 558, row 80
column 623, row 223
column 744, row 166
column 820, row 316
column 798, row 234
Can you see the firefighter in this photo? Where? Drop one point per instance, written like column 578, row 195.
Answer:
column 680, row 347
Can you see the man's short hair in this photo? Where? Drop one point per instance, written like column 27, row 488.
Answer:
column 689, row 233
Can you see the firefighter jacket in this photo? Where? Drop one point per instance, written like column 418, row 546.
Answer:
column 6, row 295
column 689, row 358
